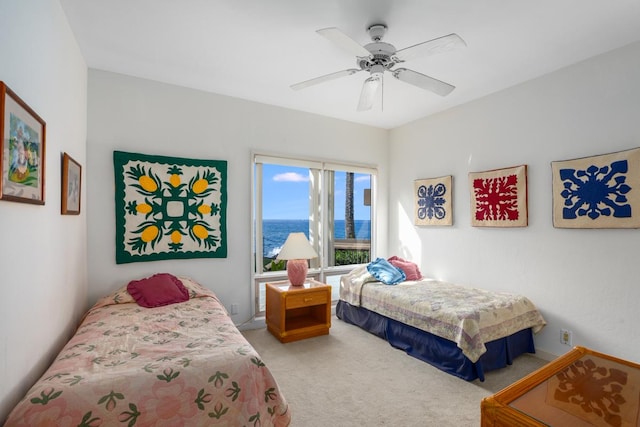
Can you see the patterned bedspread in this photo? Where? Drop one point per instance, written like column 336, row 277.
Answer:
column 469, row 317
column 183, row 364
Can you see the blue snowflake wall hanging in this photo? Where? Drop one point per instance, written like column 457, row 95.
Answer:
column 433, row 198
column 597, row 192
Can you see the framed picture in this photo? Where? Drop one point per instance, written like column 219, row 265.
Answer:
column 71, row 185
column 597, row 192
column 499, row 197
column 433, row 201
column 22, row 151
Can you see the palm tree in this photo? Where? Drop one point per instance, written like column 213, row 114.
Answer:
column 349, row 223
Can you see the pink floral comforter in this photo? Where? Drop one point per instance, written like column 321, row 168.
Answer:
column 183, row 364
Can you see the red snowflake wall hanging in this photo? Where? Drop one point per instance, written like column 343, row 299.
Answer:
column 499, row 197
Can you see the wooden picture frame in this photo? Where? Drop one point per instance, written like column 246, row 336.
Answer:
column 22, row 150
column 71, row 185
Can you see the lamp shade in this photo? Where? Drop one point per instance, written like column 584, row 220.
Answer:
column 297, row 250
column 297, row 247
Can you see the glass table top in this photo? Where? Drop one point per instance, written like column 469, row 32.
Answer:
column 591, row 391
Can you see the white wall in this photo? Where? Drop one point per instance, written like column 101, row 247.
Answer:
column 42, row 253
column 131, row 114
column 582, row 280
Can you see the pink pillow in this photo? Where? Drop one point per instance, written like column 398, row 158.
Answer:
column 410, row 269
column 157, row 290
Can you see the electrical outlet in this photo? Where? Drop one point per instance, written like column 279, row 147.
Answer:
column 566, row 336
column 234, row 308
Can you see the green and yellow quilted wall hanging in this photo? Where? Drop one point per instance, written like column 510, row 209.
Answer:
column 169, row 207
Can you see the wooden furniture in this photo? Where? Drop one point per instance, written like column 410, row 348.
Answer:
column 581, row 388
column 298, row 312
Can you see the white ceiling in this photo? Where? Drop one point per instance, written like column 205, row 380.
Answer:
column 255, row 49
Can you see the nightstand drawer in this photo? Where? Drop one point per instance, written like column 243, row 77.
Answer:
column 307, row 299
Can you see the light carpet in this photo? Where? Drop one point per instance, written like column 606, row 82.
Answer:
column 353, row 378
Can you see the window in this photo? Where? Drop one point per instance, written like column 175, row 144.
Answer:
column 331, row 203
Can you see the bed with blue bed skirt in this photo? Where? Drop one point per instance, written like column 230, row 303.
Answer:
column 461, row 330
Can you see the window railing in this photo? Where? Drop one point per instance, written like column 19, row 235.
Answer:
column 351, row 251
column 346, row 252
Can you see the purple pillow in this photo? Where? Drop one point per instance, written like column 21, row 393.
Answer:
column 410, row 269
column 158, row 290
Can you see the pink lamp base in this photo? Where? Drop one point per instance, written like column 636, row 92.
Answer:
column 297, row 271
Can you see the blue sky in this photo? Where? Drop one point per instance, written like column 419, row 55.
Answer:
column 286, row 192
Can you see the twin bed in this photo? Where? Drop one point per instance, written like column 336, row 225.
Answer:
column 461, row 330
column 184, row 363
column 157, row 354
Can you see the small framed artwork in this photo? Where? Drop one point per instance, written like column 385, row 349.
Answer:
column 71, row 185
column 433, row 201
column 499, row 197
column 597, row 192
column 22, row 150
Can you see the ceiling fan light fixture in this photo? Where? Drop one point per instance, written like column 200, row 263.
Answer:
column 369, row 92
column 377, row 70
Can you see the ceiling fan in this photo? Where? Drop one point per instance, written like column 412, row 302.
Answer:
column 378, row 57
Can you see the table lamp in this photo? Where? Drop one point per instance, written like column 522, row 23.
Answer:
column 297, row 250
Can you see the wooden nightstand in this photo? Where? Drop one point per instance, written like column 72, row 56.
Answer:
column 298, row 312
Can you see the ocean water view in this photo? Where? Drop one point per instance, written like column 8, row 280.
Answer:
column 275, row 232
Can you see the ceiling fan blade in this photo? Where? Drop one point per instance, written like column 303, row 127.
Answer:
column 369, row 91
column 324, row 78
column 344, row 41
column 431, row 47
column 423, row 82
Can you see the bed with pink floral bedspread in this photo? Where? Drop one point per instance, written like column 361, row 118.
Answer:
column 184, row 364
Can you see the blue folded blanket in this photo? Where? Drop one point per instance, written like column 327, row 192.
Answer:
column 386, row 273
